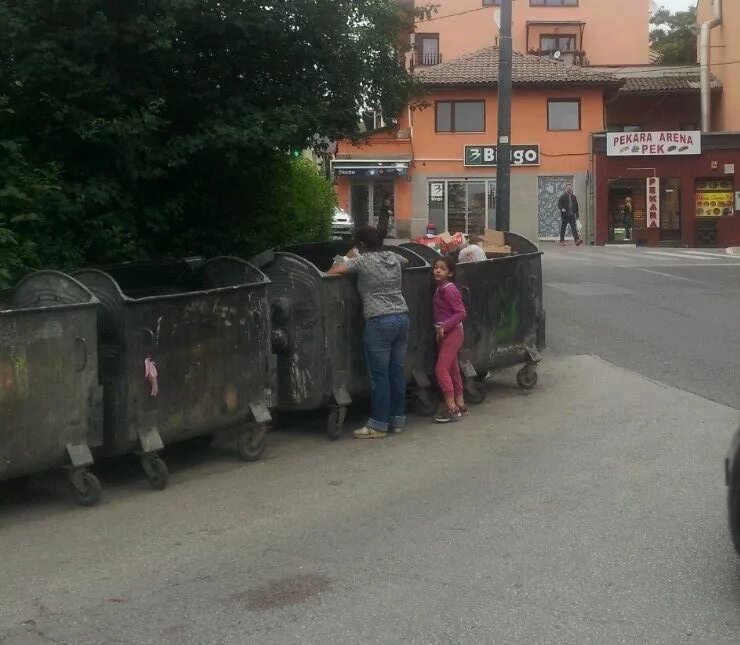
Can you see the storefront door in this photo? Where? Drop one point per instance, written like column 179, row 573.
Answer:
column 367, row 199
column 466, row 207
column 548, row 215
column 670, row 210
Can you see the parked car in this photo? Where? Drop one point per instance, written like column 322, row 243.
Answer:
column 732, row 480
column 342, row 224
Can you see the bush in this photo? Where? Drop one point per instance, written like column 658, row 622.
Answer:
column 26, row 195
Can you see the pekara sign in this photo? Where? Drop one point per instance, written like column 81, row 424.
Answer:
column 653, row 202
column 653, row 144
column 524, row 155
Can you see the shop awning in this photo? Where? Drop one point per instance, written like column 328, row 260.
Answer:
column 359, row 167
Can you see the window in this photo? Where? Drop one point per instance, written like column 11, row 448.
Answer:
column 427, row 49
column 688, row 126
column 563, row 114
column 552, row 43
column 491, row 3
column 553, row 3
column 461, row 116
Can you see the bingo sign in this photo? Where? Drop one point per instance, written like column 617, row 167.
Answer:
column 653, row 202
column 488, row 155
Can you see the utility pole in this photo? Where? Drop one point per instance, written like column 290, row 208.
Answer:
column 503, row 161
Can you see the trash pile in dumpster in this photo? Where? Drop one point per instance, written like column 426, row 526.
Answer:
column 130, row 358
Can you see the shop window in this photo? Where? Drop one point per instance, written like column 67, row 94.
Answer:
column 563, row 114
column 460, row 116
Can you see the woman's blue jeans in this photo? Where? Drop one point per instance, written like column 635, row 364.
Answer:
column 386, row 340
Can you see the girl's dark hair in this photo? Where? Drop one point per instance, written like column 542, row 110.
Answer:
column 369, row 237
column 449, row 262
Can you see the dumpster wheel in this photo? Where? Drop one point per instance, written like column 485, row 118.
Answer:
column 335, row 423
column 426, row 406
column 156, row 471
column 86, row 487
column 250, row 444
column 526, row 378
column 475, row 392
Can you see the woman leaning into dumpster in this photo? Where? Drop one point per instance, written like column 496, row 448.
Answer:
column 386, row 334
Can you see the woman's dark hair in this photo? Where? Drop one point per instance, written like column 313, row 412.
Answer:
column 369, row 237
column 449, row 262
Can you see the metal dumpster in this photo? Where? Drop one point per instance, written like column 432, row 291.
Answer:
column 506, row 321
column 50, row 402
column 317, row 321
column 185, row 352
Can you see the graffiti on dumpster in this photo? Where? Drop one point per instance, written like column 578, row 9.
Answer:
column 507, row 306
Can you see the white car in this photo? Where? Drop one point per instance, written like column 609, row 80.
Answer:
column 342, row 224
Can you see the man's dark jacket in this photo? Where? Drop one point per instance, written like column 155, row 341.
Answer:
column 563, row 204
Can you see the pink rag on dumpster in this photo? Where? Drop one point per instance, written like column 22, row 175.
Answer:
column 150, row 374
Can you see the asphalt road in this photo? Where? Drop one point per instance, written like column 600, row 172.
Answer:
column 670, row 314
column 589, row 510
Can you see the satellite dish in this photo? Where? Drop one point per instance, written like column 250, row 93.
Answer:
column 497, row 18
column 557, row 55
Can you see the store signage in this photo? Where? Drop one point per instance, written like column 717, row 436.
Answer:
column 437, row 191
column 486, row 156
column 653, row 144
column 371, row 171
column 653, row 202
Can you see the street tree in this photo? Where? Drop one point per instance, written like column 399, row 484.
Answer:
column 672, row 37
column 168, row 122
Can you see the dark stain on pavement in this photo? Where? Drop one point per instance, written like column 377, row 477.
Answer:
column 293, row 590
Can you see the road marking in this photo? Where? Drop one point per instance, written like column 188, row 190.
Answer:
column 668, row 275
column 684, row 254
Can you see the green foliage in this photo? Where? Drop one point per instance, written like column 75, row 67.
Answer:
column 25, row 194
column 168, row 121
column 672, row 38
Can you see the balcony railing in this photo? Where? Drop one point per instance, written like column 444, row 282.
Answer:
column 572, row 57
column 425, row 60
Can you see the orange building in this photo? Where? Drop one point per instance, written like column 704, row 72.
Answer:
column 438, row 165
column 723, row 60
column 596, row 32
column 587, row 75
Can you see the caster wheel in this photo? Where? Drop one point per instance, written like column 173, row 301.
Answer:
column 335, row 423
column 157, row 473
column 86, row 488
column 250, row 444
column 475, row 392
column 426, row 407
column 526, row 378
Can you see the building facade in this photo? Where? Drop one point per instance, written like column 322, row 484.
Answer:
column 724, row 61
column 438, row 165
column 583, row 31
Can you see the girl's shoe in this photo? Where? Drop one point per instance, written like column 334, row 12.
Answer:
column 447, row 416
column 463, row 411
column 369, row 433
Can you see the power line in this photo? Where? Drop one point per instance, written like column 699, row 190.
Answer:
column 459, row 13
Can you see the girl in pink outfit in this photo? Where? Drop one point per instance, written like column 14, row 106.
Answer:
column 449, row 313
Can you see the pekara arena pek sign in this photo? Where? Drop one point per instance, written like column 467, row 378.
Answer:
column 653, row 144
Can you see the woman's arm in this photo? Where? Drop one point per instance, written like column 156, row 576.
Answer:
column 338, row 268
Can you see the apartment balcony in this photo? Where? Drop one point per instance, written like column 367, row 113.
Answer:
column 427, row 59
column 570, row 57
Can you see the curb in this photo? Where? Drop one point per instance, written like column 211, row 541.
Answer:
column 733, row 250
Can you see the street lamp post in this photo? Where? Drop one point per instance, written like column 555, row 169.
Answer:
column 503, row 161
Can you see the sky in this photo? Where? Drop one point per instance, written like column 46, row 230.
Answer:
column 676, row 5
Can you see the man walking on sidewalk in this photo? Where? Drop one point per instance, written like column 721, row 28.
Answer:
column 568, row 205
